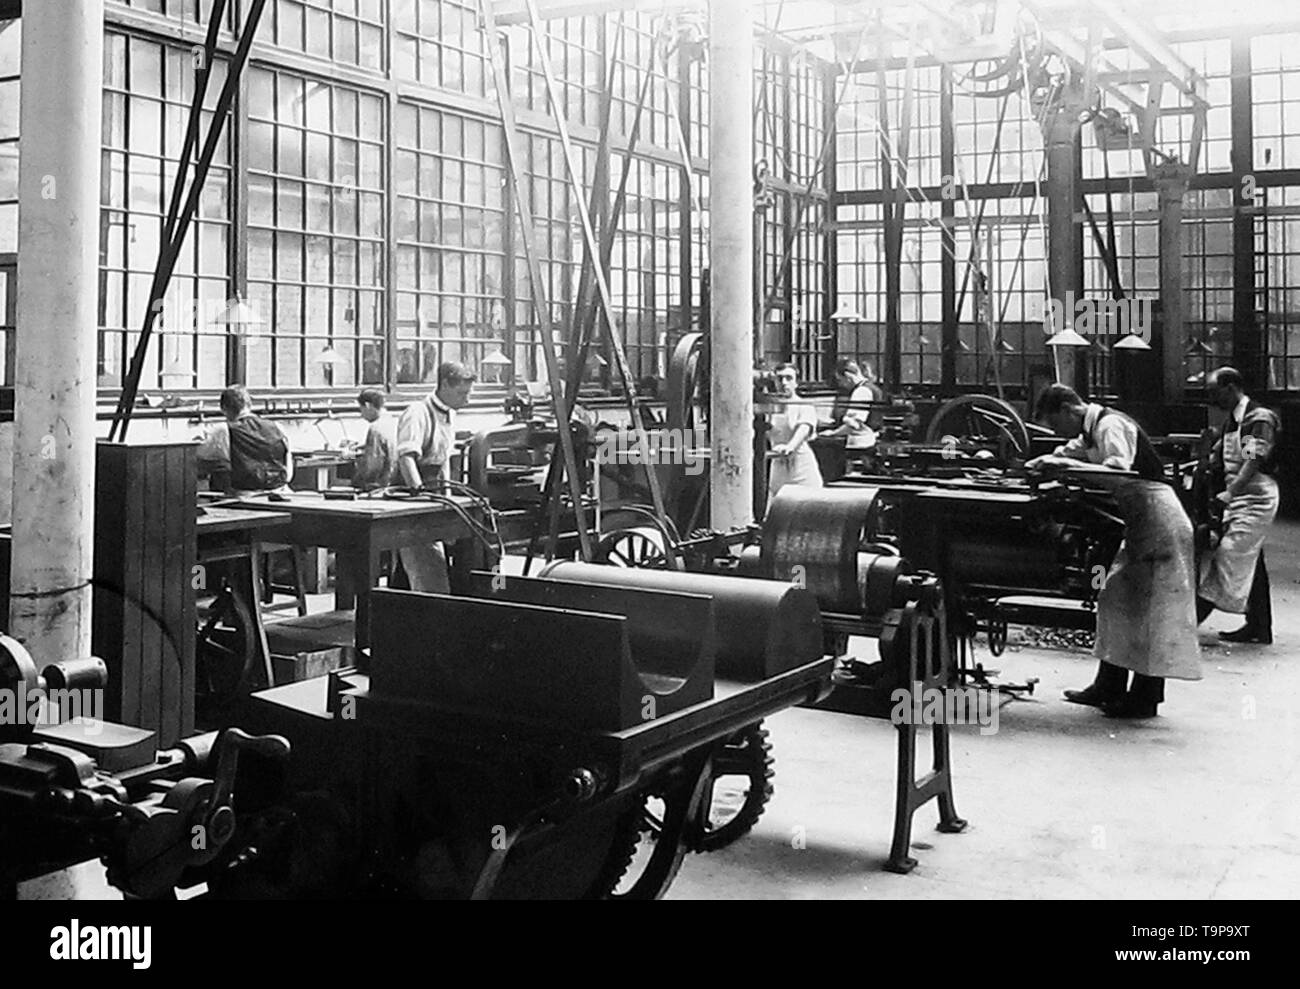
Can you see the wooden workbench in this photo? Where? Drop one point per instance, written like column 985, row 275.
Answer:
column 360, row 530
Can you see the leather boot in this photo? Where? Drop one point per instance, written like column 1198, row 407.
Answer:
column 1141, row 701
column 1107, row 686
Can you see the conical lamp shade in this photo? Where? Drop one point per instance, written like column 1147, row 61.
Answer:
column 1131, row 342
column 1067, row 338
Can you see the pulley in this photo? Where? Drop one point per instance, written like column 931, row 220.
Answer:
column 812, row 537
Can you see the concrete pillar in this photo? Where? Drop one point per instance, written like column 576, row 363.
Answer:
column 1064, row 234
column 731, row 262
column 55, row 365
column 1171, row 185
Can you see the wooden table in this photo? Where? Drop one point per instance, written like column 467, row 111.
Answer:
column 359, row 530
column 236, row 535
column 317, row 471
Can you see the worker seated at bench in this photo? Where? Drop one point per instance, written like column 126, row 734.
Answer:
column 251, row 452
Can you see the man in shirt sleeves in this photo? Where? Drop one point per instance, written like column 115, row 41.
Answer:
column 426, row 435
column 1233, row 576
column 1146, row 612
column 376, row 463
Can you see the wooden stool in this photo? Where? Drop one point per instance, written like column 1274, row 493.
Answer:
column 297, row 590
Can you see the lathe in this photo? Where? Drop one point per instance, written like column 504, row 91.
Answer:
column 75, row 789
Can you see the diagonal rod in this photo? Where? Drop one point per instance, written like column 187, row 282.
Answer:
column 171, row 252
column 541, row 304
column 602, row 284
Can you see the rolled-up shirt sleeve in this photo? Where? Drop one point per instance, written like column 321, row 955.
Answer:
column 413, row 430
column 1258, row 434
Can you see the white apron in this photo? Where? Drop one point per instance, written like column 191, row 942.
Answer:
column 799, row 467
column 1228, row 571
column 1146, row 611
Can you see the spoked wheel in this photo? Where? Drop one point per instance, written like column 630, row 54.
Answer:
column 983, row 419
column 641, row 548
column 225, row 652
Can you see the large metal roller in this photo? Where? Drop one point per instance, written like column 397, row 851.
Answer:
column 812, row 536
column 763, row 627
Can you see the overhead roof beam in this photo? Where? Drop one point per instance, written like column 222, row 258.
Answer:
column 1143, row 40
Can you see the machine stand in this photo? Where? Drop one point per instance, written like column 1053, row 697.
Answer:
column 913, row 794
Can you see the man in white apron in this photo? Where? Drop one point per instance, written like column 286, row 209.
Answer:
column 1146, row 614
column 1250, row 498
column 793, row 461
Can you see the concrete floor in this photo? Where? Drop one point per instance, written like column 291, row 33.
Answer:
column 1202, row 802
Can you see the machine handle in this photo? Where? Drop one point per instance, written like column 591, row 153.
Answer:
column 229, row 744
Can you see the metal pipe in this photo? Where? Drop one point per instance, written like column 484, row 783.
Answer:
column 55, row 362
column 731, row 253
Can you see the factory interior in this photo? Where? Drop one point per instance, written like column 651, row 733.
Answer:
column 883, row 381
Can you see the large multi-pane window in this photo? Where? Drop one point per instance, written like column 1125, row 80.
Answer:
column 439, row 43
column 350, row 32
column 558, row 241
column 148, row 88
column 1134, row 220
column 348, row 281
column 1275, row 101
column 860, row 285
column 449, row 232
column 316, row 232
column 573, row 48
column 645, row 264
column 192, row 11
column 1277, row 282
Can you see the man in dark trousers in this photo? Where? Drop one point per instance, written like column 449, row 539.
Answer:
column 1233, row 576
column 1146, row 615
column 254, row 450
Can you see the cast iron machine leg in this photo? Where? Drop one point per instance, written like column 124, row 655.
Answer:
column 921, row 628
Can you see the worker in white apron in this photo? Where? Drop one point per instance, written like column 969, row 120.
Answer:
column 793, row 461
column 1250, row 499
column 1146, row 607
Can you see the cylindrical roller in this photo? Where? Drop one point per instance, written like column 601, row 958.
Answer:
column 763, row 627
column 77, row 674
column 877, row 581
column 813, row 535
